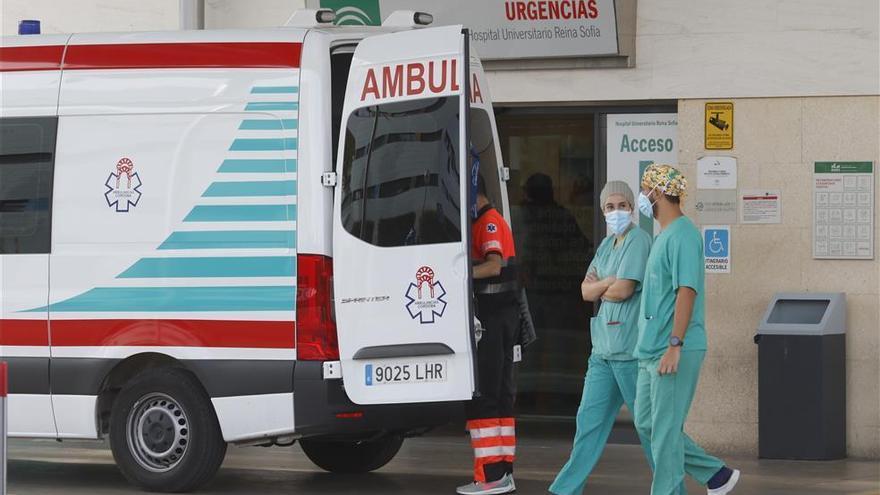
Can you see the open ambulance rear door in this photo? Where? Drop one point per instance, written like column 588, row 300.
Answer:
column 401, row 224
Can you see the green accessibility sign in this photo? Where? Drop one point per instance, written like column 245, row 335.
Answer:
column 844, row 167
column 354, row 12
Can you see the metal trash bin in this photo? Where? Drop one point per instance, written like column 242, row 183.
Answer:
column 802, row 377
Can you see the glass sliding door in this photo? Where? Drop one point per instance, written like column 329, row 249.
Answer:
column 551, row 190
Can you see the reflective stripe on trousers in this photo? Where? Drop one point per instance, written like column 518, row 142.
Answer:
column 493, row 441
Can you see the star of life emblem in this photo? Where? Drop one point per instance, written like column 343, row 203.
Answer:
column 123, row 187
column 425, row 297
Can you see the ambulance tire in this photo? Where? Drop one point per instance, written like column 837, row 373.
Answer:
column 187, row 448
column 352, row 457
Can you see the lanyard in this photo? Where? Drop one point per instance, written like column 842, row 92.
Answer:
column 475, row 173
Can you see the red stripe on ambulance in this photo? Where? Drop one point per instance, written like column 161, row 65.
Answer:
column 19, row 58
column 24, row 332
column 150, row 333
column 250, row 55
column 183, row 55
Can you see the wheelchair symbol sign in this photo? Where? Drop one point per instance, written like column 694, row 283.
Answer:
column 716, row 249
column 717, row 243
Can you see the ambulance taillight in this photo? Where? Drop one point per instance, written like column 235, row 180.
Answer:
column 315, row 323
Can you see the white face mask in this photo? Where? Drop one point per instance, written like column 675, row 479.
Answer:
column 646, row 206
column 618, row 221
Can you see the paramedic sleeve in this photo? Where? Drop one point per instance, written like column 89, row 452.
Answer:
column 687, row 265
column 488, row 239
column 634, row 259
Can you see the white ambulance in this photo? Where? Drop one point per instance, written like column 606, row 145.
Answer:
column 246, row 237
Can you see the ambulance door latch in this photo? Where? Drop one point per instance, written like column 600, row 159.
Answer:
column 328, row 179
column 505, row 174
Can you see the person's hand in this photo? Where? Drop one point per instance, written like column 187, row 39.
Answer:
column 669, row 362
column 592, row 277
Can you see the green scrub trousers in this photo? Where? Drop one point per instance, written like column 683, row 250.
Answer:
column 607, row 386
column 672, row 450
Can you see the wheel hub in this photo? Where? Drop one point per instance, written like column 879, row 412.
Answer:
column 157, row 432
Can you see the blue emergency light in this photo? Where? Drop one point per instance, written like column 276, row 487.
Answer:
column 29, row 26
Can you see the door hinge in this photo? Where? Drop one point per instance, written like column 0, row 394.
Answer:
column 328, row 179
column 505, row 174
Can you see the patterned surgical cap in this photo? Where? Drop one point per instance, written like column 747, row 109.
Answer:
column 666, row 178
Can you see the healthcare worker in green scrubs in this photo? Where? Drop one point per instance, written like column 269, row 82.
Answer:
column 672, row 340
column 614, row 277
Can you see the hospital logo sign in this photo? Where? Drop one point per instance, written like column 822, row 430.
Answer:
column 426, row 297
column 123, row 187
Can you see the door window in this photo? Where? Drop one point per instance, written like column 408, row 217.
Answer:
column 400, row 183
column 27, row 149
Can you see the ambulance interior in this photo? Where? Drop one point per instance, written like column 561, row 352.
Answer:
column 483, row 144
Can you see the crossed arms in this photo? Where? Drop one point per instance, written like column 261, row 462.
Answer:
column 609, row 289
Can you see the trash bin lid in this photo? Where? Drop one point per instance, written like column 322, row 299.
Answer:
column 805, row 313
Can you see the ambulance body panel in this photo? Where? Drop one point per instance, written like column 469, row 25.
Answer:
column 177, row 219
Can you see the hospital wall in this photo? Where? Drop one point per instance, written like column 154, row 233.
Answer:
column 713, row 48
column 776, row 142
column 88, row 16
column 223, row 14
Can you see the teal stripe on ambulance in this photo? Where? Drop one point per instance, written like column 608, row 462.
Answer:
column 262, row 144
column 264, row 106
column 242, row 213
column 274, row 89
column 231, row 266
column 258, row 166
column 267, row 124
column 254, row 188
column 231, row 239
column 179, row 299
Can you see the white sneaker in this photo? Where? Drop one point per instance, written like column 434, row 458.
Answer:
column 504, row 485
column 727, row 487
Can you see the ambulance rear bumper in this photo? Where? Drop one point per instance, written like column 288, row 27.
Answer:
column 322, row 408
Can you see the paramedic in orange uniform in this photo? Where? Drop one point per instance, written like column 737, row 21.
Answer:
column 490, row 416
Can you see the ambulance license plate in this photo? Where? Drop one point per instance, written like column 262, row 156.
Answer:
column 392, row 373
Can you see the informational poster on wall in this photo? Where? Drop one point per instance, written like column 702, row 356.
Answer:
column 843, row 210
column 719, row 125
column 716, row 190
column 761, row 206
column 635, row 141
column 715, row 206
column 716, row 172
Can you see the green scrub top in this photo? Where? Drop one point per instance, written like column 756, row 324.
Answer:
column 614, row 331
column 676, row 260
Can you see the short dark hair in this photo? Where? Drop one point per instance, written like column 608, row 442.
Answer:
column 481, row 186
column 673, row 199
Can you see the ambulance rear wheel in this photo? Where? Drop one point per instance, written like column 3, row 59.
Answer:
column 352, row 457
column 163, row 432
